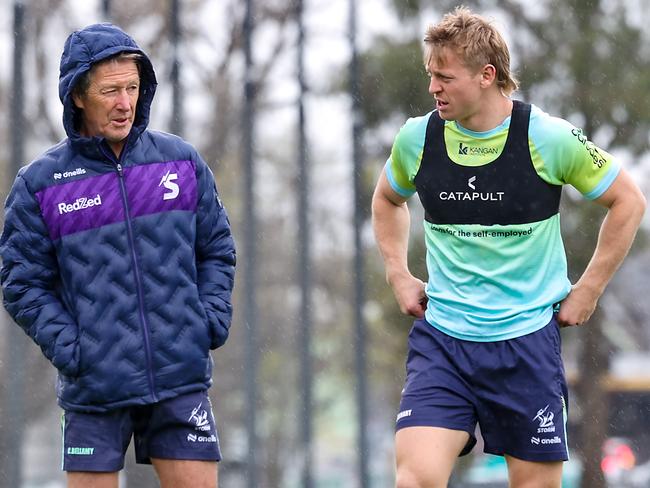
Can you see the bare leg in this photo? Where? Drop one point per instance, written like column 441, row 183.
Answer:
column 426, row 455
column 176, row 473
column 529, row 474
column 85, row 479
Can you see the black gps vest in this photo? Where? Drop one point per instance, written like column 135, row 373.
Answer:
column 505, row 191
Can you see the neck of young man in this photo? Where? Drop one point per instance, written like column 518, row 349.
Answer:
column 490, row 112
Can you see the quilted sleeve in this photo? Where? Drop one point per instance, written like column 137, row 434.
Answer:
column 215, row 255
column 29, row 277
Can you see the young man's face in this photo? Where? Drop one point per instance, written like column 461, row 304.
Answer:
column 455, row 87
column 108, row 106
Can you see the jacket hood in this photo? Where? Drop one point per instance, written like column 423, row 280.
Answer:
column 89, row 46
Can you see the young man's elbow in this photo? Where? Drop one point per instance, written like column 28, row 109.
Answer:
column 377, row 204
column 639, row 205
column 643, row 203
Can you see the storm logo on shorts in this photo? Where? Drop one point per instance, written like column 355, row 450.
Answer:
column 200, row 418
column 545, row 420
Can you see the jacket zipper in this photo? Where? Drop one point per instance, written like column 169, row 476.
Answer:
column 138, row 279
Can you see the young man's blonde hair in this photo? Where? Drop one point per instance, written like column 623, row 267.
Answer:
column 475, row 40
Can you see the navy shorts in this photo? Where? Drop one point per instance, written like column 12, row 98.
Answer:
column 179, row 428
column 514, row 389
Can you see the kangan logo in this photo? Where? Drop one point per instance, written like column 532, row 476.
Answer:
column 471, row 181
column 168, row 182
column 464, row 150
column 545, row 418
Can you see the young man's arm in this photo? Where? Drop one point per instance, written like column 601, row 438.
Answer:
column 626, row 206
column 391, row 222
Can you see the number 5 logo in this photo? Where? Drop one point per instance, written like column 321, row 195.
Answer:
column 168, row 182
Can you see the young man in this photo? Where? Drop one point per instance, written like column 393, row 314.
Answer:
column 118, row 262
column 485, row 345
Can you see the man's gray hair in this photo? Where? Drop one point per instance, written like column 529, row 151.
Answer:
column 81, row 87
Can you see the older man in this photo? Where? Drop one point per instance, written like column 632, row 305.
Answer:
column 118, row 262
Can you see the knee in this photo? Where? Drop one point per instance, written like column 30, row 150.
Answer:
column 410, row 478
column 406, row 479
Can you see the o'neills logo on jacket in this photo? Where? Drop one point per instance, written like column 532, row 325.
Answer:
column 69, row 174
column 79, row 204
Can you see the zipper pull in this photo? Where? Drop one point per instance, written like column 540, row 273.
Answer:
column 119, row 169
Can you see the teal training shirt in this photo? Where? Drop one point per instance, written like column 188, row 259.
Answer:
column 496, row 279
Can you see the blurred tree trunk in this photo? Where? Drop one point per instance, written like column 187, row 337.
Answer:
column 580, row 236
column 594, row 364
column 593, row 360
column 5, row 442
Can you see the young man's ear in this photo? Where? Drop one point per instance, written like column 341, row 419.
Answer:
column 488, row 74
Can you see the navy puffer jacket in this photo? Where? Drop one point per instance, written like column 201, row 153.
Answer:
column 120, row 270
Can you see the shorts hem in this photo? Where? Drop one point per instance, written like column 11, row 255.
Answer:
column 92, row 468
column 183, row 456
column 471, row 442
column 551, row 456
column 430, row 423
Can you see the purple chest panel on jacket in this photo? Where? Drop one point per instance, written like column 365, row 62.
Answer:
column 96, row 201
column 161, row 187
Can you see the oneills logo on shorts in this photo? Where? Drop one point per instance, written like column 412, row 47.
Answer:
column 79, row 204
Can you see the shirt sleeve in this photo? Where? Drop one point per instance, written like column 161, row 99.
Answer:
column 564, row 155
column 406, row 156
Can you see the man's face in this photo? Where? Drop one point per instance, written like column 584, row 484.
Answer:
column 456, row 88
column 109, row 103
